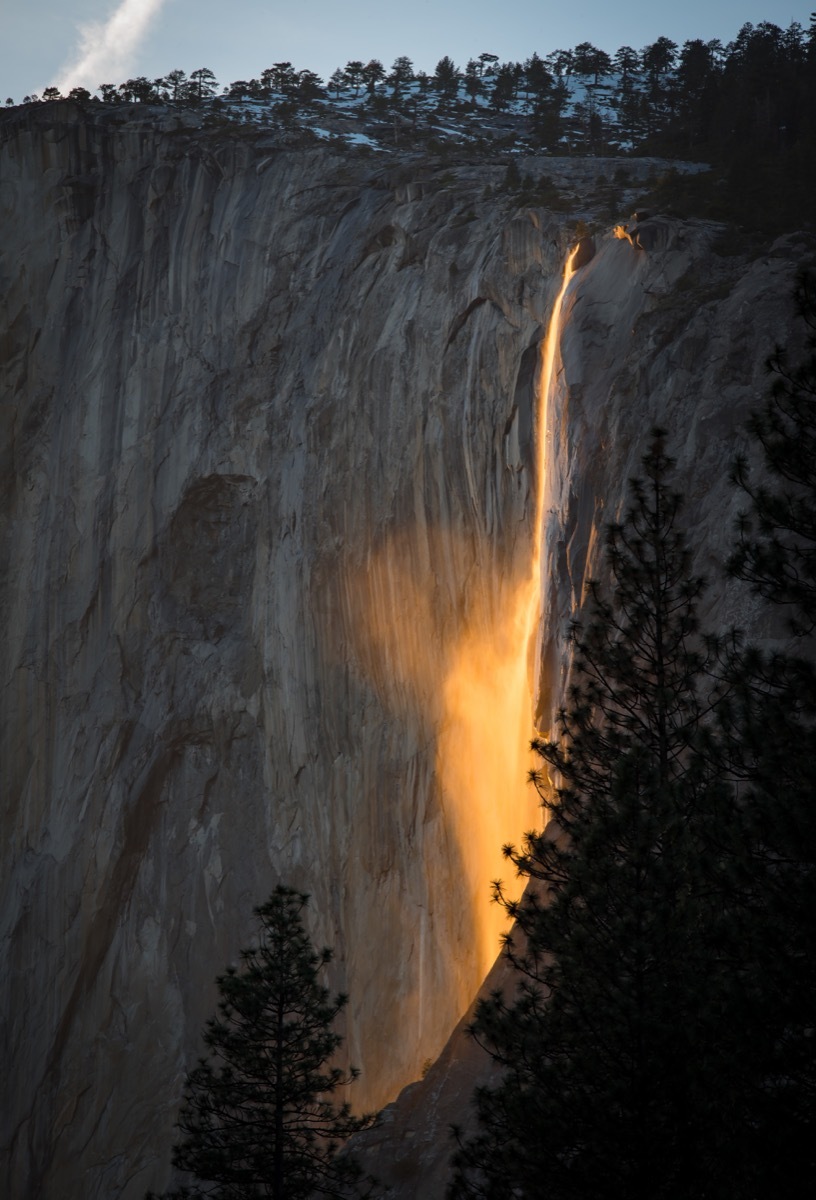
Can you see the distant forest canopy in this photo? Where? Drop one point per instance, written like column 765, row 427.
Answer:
column 748, row 108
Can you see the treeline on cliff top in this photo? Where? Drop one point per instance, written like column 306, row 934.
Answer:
column 748, row 108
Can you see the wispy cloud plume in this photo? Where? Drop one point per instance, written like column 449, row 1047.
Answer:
column 106, row 47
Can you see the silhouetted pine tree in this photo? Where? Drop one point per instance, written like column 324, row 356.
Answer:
column 771, row 721
column 257, row 1118
column 623, row 1041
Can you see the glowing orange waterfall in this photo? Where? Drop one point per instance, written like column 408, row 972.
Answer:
column 546, row 389
column 468, row 682
column 483, row 747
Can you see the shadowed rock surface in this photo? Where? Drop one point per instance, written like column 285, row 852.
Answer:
column 267, row 441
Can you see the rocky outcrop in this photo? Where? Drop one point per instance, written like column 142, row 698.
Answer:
column 268, row 424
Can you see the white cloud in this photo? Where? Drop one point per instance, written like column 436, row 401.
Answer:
column 106, row 48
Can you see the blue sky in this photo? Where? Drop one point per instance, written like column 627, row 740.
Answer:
column 45, row 41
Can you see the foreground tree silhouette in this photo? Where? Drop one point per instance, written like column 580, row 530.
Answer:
column 771, row 723
column 625, row 1038
column 257, row 1118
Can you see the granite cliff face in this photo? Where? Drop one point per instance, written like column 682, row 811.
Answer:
column 268, row 425
column 677, row 337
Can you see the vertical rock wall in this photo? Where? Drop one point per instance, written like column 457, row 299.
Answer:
column 677, row 337
column 266, row 462
column 267, row 440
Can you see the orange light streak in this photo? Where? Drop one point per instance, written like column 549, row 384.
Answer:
column 470, row 684
column 488, row 696
column 546, row 389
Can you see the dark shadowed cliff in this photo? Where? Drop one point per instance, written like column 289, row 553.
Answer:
column 267, row 433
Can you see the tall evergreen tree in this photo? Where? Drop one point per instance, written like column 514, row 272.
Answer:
column 354, row 72
column 505, row 85
column 202, row 85
column 696, row 85
column 622, row 1042
column 588, row 61
column 473, row 81
column 537, row 80
column 446, row 78
column 771, row 721
column 258, row 1119
column 373, row 73
column 626, row 62
column 402, row 74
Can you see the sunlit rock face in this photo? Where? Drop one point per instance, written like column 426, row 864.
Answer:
column 677, row 337
column 267, row 483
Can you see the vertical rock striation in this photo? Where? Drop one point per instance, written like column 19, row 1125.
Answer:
column 268, row 426
column 267, row 443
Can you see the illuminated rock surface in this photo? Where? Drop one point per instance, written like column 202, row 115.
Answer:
column 679, row 339
column 267, row 447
